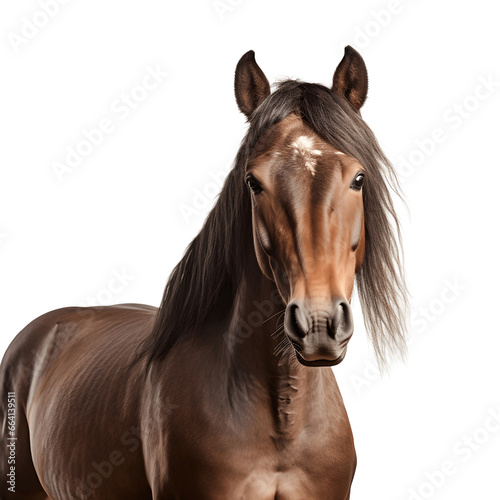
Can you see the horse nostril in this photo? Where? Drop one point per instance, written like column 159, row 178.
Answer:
column 296, row 322
column 340, row 324
column 330, row 330
column 297, row 327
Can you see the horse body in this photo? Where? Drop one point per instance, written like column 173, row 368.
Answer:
column 66, row 369
column 226, row 392
column 263, row 428
column 243, row 425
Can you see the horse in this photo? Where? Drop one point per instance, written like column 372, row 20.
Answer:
column 226, row 390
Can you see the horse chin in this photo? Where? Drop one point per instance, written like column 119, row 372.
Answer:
column 320, row 362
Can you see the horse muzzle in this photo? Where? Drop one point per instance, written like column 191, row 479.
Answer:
column 319, row 335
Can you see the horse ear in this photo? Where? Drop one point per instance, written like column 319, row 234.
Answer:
column 250, row 84
column 351, row 78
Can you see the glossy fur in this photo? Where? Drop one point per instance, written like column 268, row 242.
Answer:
column 226, row 392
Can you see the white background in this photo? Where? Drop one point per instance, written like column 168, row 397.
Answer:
column 134, row 203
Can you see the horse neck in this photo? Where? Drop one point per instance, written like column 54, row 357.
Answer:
column 261, row 358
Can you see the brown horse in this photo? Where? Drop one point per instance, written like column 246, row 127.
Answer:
column 226, row 390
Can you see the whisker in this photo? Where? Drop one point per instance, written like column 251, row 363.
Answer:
column 274, row 315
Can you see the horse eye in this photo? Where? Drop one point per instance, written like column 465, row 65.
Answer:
column 254, row 185
column 358, row 182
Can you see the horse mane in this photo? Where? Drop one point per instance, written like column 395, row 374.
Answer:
column 206, row 279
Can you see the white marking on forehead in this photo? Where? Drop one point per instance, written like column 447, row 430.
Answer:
column 339, row 153
column 304, row 146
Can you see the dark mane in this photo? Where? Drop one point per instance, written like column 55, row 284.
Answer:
column 206, row 278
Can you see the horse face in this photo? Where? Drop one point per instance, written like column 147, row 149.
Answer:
column 308, row 219
column 308, row 228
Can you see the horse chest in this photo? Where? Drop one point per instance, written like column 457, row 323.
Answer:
column 265, row 456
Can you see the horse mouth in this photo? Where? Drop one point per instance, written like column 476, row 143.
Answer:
column 320, row 362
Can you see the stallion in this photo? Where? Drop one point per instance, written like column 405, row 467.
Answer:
column 226, row 391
